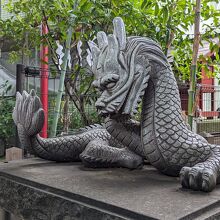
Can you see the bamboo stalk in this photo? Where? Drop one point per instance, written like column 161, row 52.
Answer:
column 62, row 78
column 193, row 69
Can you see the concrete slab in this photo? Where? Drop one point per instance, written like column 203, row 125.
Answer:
column 33, row 187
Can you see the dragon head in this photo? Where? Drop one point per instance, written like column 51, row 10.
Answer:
column 122, row 69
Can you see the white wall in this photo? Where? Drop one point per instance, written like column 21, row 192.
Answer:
column 6, row 76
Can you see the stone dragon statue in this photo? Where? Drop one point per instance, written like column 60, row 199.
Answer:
column 128, row 70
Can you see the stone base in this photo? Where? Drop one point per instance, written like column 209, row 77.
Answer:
column 37, row 189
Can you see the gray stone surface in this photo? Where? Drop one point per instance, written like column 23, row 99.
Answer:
column 37, row 189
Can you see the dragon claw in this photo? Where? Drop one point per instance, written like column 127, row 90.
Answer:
column 208, row 181
column 28, row 113
column 184, row 177
column 198, row 178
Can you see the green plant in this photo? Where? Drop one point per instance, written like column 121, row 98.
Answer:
column 7, row 127
column 167, row 21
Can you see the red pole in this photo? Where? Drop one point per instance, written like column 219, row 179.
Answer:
column 44, row 78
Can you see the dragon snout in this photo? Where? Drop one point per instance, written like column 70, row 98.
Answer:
column 105, row 109
column 99, row 104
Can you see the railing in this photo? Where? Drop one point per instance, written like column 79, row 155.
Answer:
column 207, row 110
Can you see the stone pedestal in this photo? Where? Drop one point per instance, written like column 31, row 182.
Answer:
column 37, row 189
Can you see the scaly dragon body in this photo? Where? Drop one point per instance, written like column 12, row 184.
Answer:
column 128, row 71
column 92, row 145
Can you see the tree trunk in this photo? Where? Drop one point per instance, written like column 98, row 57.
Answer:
column 66, row 118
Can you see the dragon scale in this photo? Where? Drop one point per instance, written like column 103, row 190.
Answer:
column 168, row 143
column 67, row 148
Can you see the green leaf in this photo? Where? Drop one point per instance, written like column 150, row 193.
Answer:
column 144, row 3
column 156, row 9
column 165, row 15
column 114, row 3
column 217, row 56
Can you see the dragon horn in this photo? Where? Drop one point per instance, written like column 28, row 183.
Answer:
column 112, row 52
column 119, row 32
column 102, row 39
column 95, row 51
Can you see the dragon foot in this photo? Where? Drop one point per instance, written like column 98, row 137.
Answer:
column 203, row 176
column 99, row 154
column 28, row 116
column 28, row 113
column 198, row 178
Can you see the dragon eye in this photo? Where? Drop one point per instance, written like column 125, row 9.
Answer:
column 95, row 84
column 110, row 85
column 109, row 80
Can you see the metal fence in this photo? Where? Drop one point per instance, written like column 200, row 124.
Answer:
column 207, row 110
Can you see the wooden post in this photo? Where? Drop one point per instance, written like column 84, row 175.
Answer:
column 19, row 88
column 44, row 77
column 19, row 78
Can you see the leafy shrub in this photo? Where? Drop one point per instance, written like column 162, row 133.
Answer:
column 7, row 127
